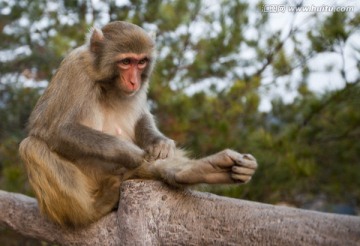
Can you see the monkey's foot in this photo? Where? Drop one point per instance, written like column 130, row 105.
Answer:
column 225, row 167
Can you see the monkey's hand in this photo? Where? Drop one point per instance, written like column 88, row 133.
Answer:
column 162, row 148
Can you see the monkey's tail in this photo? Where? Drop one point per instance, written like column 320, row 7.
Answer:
column 62, row 190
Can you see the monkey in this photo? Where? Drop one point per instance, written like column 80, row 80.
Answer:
column 92, row 129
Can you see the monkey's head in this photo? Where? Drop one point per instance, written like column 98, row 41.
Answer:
column 124, row 56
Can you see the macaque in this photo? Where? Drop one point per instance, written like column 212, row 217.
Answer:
column 92, row 129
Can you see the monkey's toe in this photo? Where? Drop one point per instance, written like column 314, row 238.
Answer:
column 240, row 178
column 247, row 161
column 243, row 170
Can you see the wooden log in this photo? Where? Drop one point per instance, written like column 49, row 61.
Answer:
column 151, row 213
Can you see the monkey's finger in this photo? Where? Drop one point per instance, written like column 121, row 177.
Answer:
column 167, row 154
column 243, row 170
column 157, row 153
column 171, row 149
column 167, row 149
column 171, row 152
column 153, row 152
column 163, row 151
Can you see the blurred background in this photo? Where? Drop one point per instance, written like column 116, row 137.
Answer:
column 278, row 79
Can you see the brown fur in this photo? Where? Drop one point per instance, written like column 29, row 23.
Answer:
column 86, row 135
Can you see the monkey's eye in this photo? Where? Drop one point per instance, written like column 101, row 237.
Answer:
column 125, row 61
column 143, row 62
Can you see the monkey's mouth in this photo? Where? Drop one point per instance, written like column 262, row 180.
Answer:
column 127, row 92
column 130, row 94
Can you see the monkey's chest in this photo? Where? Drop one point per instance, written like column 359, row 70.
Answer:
column 120, row 124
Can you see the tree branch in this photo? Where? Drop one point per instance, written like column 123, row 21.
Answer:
column 151, row 213
column 21, row 214
column 154, row 214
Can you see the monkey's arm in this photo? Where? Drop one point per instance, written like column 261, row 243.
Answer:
column 149, row 138
column 76, row 141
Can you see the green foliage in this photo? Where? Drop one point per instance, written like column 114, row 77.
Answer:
column 333, row 31
column 282, row 64
column 16, row 104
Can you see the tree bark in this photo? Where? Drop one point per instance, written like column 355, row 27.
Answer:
column 151, row 213
column 158, row 215
column 21, row 214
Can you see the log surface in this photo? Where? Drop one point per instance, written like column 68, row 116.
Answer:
column 151, row 213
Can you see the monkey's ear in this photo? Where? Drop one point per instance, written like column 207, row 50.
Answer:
column 96, row 40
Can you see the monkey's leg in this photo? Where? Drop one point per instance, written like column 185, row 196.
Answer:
column 225, row 167
column 62, row 190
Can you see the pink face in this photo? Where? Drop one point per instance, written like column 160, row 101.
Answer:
column 131, row 66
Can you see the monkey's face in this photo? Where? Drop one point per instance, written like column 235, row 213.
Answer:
column 131, row 69
column 124, row 56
